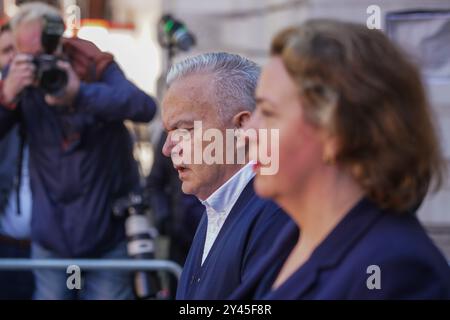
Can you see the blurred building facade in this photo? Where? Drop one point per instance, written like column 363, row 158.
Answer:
column 247, row 27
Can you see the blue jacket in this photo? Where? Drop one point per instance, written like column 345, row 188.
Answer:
column 80, row 162
column 9, row 157
column 344, row 265
column 247, row 234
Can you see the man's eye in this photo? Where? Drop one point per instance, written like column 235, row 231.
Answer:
column 183, row 130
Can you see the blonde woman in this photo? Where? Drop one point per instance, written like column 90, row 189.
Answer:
column 357, row 153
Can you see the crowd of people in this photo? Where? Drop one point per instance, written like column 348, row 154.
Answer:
column 352, row 168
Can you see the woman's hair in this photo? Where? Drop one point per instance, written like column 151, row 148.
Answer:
column 354, row 83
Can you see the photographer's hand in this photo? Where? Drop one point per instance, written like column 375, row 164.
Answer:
column 20, row 75
column 71, row 90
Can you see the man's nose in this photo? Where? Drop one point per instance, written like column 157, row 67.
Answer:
column 168, row 146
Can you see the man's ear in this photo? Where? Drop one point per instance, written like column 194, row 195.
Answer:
column 240, row 119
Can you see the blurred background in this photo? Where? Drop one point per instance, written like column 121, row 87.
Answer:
column 130, row 30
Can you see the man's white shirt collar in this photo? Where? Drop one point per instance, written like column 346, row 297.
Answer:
column 219, row 204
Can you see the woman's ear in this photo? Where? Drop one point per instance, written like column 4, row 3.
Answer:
column 240, row 119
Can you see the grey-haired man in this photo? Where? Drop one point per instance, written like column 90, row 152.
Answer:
column 237, row 227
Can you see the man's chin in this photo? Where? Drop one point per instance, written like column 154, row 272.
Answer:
column 187, row 188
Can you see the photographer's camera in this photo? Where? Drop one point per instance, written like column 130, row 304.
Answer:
column 50, row 78
column 141, row 243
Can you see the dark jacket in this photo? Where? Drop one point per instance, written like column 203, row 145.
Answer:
column 81, row 161
column 246, row 236
column 345, row 265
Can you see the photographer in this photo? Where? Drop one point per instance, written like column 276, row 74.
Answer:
column 15, row 196
column 80, row 151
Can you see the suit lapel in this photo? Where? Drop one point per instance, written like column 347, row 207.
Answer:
column 331, row 251
column 245, row 199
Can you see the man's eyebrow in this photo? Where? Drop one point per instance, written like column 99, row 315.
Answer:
column 180, row 123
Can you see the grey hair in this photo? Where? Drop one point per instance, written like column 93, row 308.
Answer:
column 33, row 11
column 235, row 79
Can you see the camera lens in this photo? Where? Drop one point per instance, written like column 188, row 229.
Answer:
column 141, row 237
column 183, row 39
column 173, row 32
column 53, row 81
